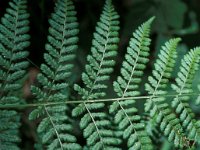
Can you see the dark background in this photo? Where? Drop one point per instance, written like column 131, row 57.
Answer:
column 174, row 18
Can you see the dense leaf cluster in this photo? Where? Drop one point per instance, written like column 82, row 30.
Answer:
column 113, row 125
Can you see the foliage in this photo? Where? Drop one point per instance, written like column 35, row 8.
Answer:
column 55, row 127
column 94, row 121
column 127, row 86
column 13, row 42
column 105, row 121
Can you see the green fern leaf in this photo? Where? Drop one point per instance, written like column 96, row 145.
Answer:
column 198, row 98
column 157, row 106
column 55, row 127
column 127, row 86
column 190, row 64
column 9, row 130
column 13, row 42
column 94, row 121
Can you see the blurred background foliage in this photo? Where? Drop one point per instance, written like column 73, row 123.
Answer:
column 173, row 18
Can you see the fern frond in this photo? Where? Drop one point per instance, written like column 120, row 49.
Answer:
column 13, row 42
column 198, row 98
column 127, row 86
column 190, row 64
column 9, row 130
column 152, row 128
column 55, row 127
column 104, row 46
column 95, row 122
column 169, row 124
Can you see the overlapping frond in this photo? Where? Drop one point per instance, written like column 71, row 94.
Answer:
column 185, row 76
column 95, row 121
column 13, row 42
column 127, row 85
column 55, row 127
column 153, row 129
column 198, row 98
column 169, row 124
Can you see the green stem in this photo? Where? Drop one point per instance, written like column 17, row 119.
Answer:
column 9, row 106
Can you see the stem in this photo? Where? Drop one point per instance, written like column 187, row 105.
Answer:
column 57, row 134
column 7, row 106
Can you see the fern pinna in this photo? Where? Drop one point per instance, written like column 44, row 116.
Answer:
column 190, row 64
column 55, row 127
column 127, row 86
column 156, row 104
column 94, row 121
column 198, row 98
column 13, row 42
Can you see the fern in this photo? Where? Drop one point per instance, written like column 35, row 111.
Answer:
column 198, row 98
column 14, row 39
column 13, row 42
column 94, row 121
column 190, row 64
column 55, row 127
column 127, row 85
column 169, row 124
column 51, row 108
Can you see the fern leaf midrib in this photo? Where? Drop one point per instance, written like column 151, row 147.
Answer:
column 155, row 104
column 91, row 90
column 11, row 73
column 193, row 123
column 188, row 73
column 102, row 59
column 60, row 52
column 57, row 134
column 162, row 74
column 177, row 131
column 135, row 131
column 133, row 69
column 132, row 72
column 180, row 93
column 164, row 117
column 95, row 125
